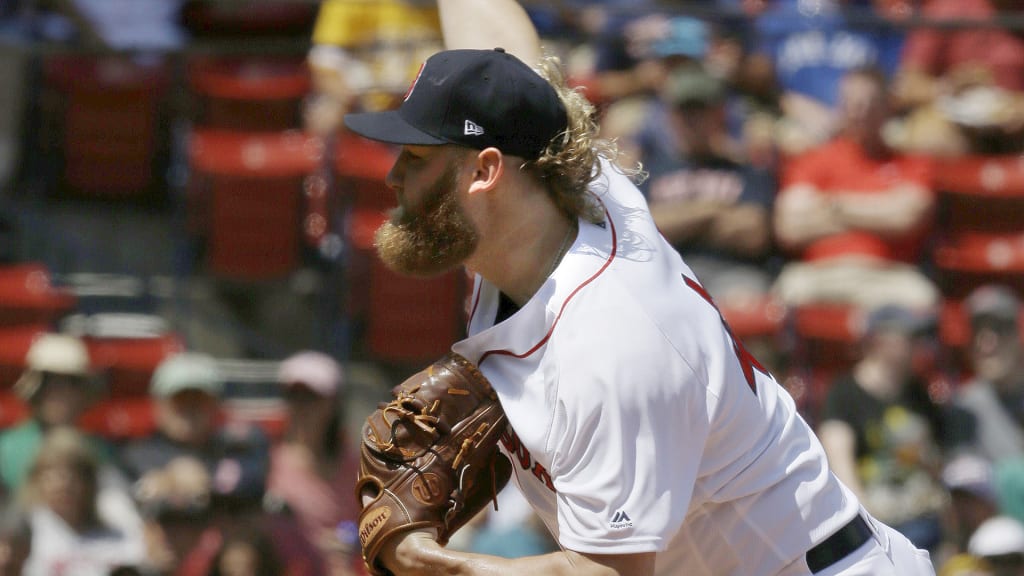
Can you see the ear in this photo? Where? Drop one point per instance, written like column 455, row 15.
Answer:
column 487, row 170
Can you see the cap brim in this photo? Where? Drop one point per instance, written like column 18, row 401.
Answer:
column 390, row 127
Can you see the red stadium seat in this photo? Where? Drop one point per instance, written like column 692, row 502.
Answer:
column 248, row 190
column 361, row 166
column 111, row 109
column 969, row 260
column 27, row 297
column 981, row 194
column 827, row 322
column 954, row 326
column 824, row 338
column 758, row 318
column 14, row 345
column 412, row 320
column 128, row 362
column 12, row 410
column 250, row 94
column 989, row 176
column 249, row 18
column 120, row 418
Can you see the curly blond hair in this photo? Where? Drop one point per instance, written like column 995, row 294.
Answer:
column 571, row 161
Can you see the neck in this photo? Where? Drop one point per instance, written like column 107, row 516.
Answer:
column 527, row 235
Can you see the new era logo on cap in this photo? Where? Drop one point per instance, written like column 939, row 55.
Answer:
column 521, row 110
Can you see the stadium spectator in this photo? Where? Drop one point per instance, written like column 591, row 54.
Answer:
column 964, row 88
column 714, row 210
column 69, row 535
column 812, row 46
column 1000, row 543
column 994, row 398
column 363, row 55
column 856, row 212
column 192, row 461
column 313, row 468
column 620, row 34
column 881, row 431
column 969, row 478
column 58, row 385
column 635, row 113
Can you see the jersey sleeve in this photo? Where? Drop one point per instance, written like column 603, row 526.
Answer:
column 627, row 442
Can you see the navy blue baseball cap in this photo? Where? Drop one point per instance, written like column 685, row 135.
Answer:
column 474, row 98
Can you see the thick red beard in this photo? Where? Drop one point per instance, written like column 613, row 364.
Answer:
column 433, row 241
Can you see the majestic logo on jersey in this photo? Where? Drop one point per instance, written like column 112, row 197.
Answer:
column 620, row 520
column 473, row 129
column 510, row 440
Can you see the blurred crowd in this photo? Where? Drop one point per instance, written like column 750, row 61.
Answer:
column 791, row 151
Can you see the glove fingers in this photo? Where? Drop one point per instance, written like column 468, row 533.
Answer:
column 481, row 491
column 428, row 458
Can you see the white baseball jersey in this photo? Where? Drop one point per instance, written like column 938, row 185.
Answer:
column 638, row 424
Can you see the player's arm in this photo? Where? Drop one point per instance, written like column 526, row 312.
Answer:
column 418, row 555
column 485, row 24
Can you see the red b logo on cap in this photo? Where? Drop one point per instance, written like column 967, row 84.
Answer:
column 414, row 81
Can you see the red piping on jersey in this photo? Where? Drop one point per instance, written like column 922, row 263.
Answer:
column 615, row 249
column 472, row 312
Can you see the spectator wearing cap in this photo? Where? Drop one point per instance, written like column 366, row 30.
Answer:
column 994, row 398
column 970, row 480
column 880, row 430
column 192, row 463
column 714, row 210
column 636, row 115
column 313, row 468
column 633, row 53
column 58, row 385
column 999, row 541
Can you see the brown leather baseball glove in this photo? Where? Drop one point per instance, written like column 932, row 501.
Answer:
column 430, row 458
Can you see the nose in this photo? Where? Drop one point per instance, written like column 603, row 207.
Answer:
column 394, row 175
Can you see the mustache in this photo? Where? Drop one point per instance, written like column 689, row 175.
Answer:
column 429, row 238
